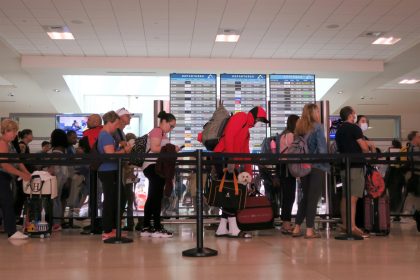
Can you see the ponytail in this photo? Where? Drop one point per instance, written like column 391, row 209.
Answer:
column 166, row 116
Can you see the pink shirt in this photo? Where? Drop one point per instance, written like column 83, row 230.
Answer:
column 285, row 141
column 156, row 132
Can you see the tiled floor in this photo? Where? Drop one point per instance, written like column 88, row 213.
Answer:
column 269, row 255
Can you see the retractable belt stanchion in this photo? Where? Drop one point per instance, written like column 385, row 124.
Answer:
column 118, row 239
column 199, row 251
column 348, row 235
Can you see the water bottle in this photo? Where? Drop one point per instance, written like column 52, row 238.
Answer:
column 273, row 146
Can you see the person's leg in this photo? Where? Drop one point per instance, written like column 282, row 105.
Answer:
column 148, row 206
column 130, row 200
column 6, row 203
column 109, row 209
column 20, row 199
column 300, row 216
column 314, row 191
column 159, row 183
column 288, row 189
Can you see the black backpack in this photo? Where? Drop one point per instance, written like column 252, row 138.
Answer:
column 140, row 145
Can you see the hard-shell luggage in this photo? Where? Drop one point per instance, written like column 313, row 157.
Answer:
column 257, row 214
column 38, row 214
column 38, row 207
column 377, row 215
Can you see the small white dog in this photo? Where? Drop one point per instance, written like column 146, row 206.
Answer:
column 244, row 178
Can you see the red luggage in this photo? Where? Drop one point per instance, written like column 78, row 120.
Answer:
column 377, row 215
column 257, row 214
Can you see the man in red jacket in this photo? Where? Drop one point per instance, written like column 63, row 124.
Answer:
column 236, row 140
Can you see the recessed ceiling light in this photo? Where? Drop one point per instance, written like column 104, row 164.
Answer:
column 386, row 41
column 59, row 32
column 340, row 92
column 227, row 35
column 373, row 34
column 56, row 90
column 409, row 81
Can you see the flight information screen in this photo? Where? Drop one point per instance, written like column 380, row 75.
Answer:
column 288, row 95
column 242, row 92
column 193, row 99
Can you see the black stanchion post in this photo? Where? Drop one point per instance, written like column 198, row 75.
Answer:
column 199, row 251
column 348, row 235
column 118, row 239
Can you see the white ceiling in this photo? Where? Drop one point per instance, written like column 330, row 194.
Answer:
column 162, row 36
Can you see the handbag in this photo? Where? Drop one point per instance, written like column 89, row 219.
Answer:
column 227, row 193
column 258, row 214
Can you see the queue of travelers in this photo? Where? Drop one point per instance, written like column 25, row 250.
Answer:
column 106, row 134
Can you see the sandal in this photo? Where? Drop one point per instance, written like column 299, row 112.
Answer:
column 312, row 236
column 297, row 234
column 221, row 235
column 286, row 231
column 241, row 234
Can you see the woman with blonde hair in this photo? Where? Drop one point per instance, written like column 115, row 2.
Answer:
column 9, row 129
column 309, row 126
column 108, row 173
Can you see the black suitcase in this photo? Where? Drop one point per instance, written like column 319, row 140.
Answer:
column 38, row 214
column 377, row 215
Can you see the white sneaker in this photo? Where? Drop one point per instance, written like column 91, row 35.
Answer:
column 162, row 233
column 18, row 235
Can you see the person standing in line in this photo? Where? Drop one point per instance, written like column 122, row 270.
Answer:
column 26, row 137
column 310, row 127
column 94, row 124
column 288, row 182
column 236, row 140
column 350, row 139
column 9, row 129
column 156, row 140
column 108, row 173
column 121, row 140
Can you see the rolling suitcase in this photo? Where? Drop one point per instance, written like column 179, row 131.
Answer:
column 377, row 215
column 38, row 207
column 38, row 216
column 257, row 214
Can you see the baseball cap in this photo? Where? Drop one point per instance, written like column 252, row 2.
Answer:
column 259, row 113
column 122, row 111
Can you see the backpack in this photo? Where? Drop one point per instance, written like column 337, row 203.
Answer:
column 299, row 146
column 140, row 146
column 214, row 128
column 374, row 183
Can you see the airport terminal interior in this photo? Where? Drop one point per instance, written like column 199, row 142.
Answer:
column 62, row 62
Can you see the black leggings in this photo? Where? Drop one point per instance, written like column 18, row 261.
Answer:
column 153, row 204
column 312, row 185
column 288, row 188
column 109, row 181
column 6, row 204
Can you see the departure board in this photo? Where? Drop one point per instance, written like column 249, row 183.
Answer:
column 192, row 100
column 288, row 95
column 241, row 93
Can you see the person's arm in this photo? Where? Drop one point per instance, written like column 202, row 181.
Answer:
column 9, row 168
column 363, row 145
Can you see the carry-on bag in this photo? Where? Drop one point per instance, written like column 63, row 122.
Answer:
column 257, row 214
column 227, row 193
column 38, row 216
column 377, row 215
